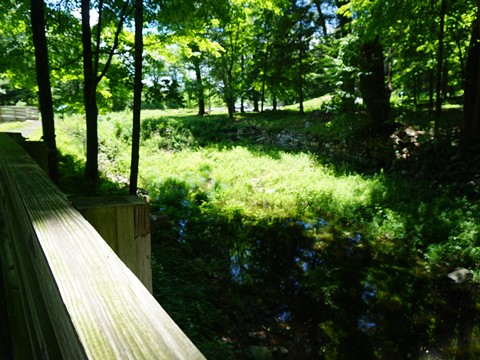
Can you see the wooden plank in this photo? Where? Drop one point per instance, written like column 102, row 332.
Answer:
column 124, row 223
column 144, row 245
column 144, row 262
column 125, row 236
column 96, row 305
column 103, row 220
column 19, row 327
column 19, row 233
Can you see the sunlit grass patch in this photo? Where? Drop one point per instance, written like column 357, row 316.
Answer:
column 193, row 161
column 12, row 125
column 312, row 104
column 287, row 185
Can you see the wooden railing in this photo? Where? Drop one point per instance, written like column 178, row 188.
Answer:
column 18, row 113
column 69, row 296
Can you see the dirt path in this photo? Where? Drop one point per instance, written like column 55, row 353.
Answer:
column 29, row 127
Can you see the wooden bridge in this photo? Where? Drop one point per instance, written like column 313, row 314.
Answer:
column 69, row 295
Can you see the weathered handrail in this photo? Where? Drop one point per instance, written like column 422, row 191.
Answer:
column 18, row 113
column 79, row 300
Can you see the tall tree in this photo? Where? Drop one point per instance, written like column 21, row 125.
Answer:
column 199, row 86
column 89, row 89
column 37, row 15
column 137, row 96
column 302, row 32
column 472, row 81
column 440, row 58
column 190, row 33
column 369, row 56
column 374, row 90
column 93, row 75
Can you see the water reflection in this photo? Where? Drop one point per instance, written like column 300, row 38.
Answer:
column 305, row 290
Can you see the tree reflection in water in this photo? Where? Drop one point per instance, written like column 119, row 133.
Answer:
column 294, row 290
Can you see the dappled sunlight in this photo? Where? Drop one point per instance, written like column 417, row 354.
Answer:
column 282, row 246
column 236, row 178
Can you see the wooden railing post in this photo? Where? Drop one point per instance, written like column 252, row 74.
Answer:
column 124, row 223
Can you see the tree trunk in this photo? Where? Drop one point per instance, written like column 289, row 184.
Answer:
column 92, row 76
column 89, row 92
column 300, row 81
column 229, row 94
column 200, row 89
column 264, row 79
column 415, row 92
column 472, row 82
column 321, row 17
column 255, row 96
column 438, row 99
column 242, row 97
column 372, row 82
column 37, row 14
column 231, row 106
column 431, row 88
column 137, row 96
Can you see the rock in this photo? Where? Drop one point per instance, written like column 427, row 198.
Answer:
column 460, row 275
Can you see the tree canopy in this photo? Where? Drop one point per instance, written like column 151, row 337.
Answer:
column 274, row 51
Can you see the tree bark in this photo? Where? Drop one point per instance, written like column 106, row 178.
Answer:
column 255, row 99
column 229, row 93
column 264, row 79
column 441, row 33
column 230, row 105
column 321, row 17
column 37, row 13
column 200, row 89
column 89, row 93
column 375, row 93
column 137, row 96
column 92, row 76
column 300, row 81
column 472, row 82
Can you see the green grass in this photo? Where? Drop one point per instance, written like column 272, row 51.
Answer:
column 312, row 104
column 232, row 176
column 14, row 125
column 228, row 173
column 223, row 194
column 257, row 184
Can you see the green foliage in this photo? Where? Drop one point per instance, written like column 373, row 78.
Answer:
column 244, row 225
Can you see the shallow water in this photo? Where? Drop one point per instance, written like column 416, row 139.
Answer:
column 299, row 294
